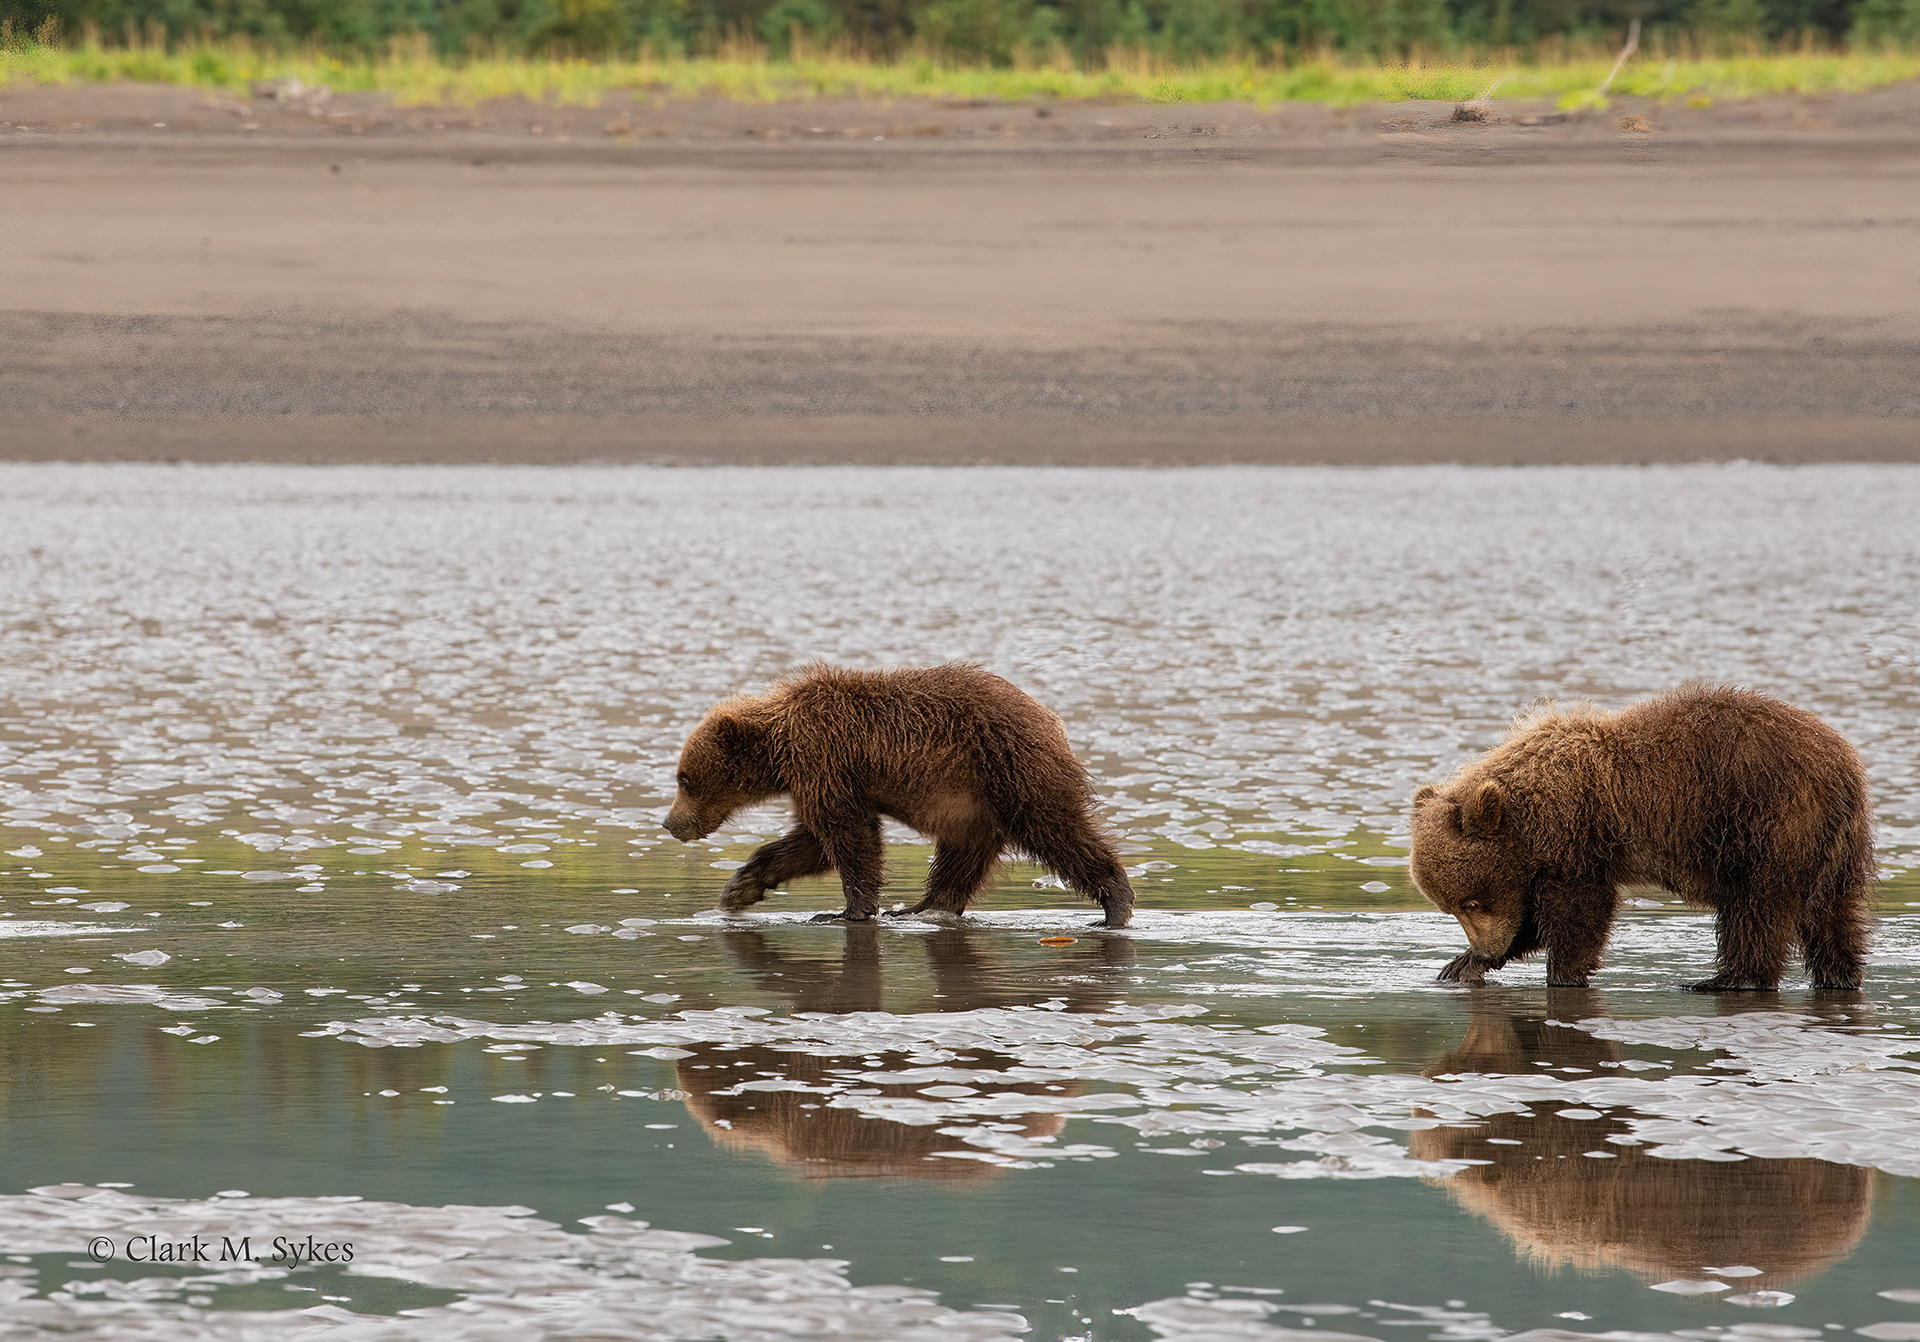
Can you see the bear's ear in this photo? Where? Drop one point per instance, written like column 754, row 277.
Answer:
column 729, row 733
column 1483, row 811
column 1426, row 794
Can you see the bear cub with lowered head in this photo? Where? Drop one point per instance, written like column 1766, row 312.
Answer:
column 1727, row 798
column 952, row 751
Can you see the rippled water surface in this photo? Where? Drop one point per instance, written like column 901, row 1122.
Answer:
column 336, row 912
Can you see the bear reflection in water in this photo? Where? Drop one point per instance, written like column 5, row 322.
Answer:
column 1657, row 1218
column 803, row 1131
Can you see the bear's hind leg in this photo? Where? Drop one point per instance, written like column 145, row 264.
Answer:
column 1756, row 926
column 1834, row 923
column 960, row 868
column 794, row 854
column 1060, row 832
column 1835, row 955
column 1083, row 858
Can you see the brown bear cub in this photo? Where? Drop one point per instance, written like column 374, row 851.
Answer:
column 1729, row 799
column 953, row 751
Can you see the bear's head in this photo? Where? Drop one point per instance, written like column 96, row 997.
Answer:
column 1467, row 859
column 724, row 766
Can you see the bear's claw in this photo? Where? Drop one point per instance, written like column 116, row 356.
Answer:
column 736, row 895
column 1467, row 967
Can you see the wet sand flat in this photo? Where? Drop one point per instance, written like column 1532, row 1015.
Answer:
column 1245, row 658
column 818, row 282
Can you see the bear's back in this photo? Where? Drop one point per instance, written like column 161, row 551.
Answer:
column 956, row 706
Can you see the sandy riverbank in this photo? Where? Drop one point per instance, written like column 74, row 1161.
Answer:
column 707, row 281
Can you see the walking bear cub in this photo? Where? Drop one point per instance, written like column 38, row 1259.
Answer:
column 953, row 751
column 1727, row 798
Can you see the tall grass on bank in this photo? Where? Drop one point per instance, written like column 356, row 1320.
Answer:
column 412, row 75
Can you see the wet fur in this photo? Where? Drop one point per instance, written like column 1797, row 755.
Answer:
column 952, row 751
column 1729, row 799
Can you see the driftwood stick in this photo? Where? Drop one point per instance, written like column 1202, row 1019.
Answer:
column 1633, row 45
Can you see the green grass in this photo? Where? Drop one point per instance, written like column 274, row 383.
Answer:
column 417, row 78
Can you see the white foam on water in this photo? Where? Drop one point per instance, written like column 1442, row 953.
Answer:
column 38, row 928
column 1690, row 1287
column 515, row 1275
column 1760, row 1299
column 125, row 994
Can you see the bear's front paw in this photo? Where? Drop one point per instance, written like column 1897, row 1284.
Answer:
column 1466, row 967
column 737, row 894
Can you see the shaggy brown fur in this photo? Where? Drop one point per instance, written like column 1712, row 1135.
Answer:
column 1727, row 798
column 1659, row 1218
column 816, row 1140
column 955, row 752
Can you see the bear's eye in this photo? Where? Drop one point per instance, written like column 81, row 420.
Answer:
column 684, row 781
column 1471, row 906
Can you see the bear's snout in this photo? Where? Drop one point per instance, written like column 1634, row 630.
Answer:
column 1488, row 933
column 683, row 824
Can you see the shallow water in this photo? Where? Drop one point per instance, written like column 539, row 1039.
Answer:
column 335, row 907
